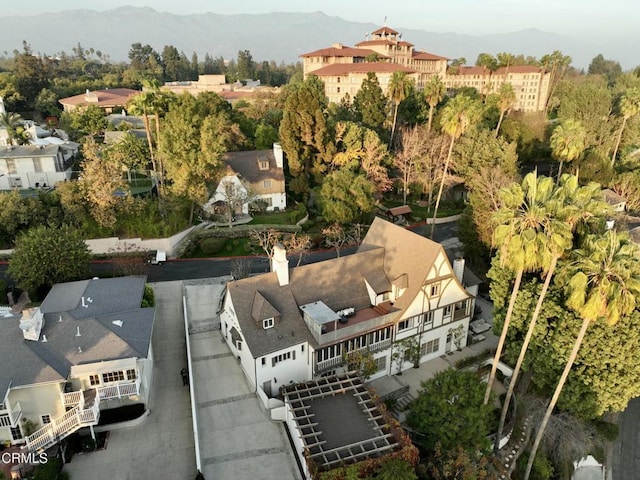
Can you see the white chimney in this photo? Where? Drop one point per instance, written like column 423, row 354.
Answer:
column 280, row 264
column 31, row 323
column 278, row 155
column 458, row 268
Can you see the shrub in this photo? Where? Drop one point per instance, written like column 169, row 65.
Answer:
column 211, row 245
column 608, row 431
column 148, row 297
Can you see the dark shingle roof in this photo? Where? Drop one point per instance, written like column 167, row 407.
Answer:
column 245, row 164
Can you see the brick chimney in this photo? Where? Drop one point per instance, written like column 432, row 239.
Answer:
column 278, row 155
column 458, row 268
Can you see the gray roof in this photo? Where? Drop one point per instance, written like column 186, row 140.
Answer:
column 77, row 335
column 20, row 151
column 245, row 164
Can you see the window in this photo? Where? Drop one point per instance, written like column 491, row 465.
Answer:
column 5, row 421
column 264, row 361
column 267, row 323
column 263, row 165
column 403, row 325
column 329, row 352
column 430, row 347
column 37, row 165
column 282, row 357
column 94, row 380
column 16, row 434
column 434, row 290
column 302, row 348
column 113, row 376
column 11, row 166
column 46, row 419
column 427, row 318
column 132, row 374
column 238, row 345
column 338, row 90
column 266, row 183
column 381, row 364
column 446, row 312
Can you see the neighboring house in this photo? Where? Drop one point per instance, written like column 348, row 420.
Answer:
column 617, row 202
column 85, row 349
column 255, row 175
column 343, row 68
column 35, row 166
column 397, row 291
column 108, row 100
column 231, row 92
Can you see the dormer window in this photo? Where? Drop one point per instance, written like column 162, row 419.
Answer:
column 434, row 290
column 267, row 323
column 263, row 164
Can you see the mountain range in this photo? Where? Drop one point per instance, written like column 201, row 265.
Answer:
column 272, row 36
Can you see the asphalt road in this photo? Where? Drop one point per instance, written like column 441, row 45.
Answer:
column 625, row 464
column 184, row 269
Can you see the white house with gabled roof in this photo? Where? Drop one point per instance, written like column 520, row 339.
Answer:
column 397, row 291
column 86, row 348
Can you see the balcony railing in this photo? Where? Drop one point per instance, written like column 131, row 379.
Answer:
column 330, row 363
column 376, row 347
column 15, row 414
column 71, row 399
column 119, row 390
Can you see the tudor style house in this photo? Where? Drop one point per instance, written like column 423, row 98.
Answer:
column 397, row 297
column 343, row 68
column 86, row 348
column 252, row 176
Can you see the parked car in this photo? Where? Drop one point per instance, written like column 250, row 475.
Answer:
column 157, row 257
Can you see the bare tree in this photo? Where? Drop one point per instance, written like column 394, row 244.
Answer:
column 410, row 148
column 235, row 196
column 241, row 268
column 266, row 240
column 335, row 237
column 129, row 259
column 298, row 244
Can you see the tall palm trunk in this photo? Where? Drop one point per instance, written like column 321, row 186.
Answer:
column 431, row 109
column 147, row 129
column 502, row 112
column 559, row 171
column 160, row 172
column 503, row 335
column 444, row 175
column 615, row 150
column 523, row 350
column 393, row 127
column 556, row 395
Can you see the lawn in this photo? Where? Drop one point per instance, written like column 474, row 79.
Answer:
column 233, row 247
column 271, row 218
column 445, row 210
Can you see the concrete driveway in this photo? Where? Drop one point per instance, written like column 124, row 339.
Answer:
column 160, row 445
column 237, row 438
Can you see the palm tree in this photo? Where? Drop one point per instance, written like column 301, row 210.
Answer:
column 398, row 90
column 563, row 208
column 567, row 142
column 16, row 133
column 434, row 91
column 629, row 107
column 460, row 112
column 602, row 282
column 396, row 469
column 520, row 241
column 506, row 99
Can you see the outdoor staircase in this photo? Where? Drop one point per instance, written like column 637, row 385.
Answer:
column 403, row 402
column 85, row 413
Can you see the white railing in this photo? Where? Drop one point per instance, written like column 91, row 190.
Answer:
column 331, row 362
column 15, row 414
column 63, row 426
column 376, row 347
column 120, row 390
column 72, row 398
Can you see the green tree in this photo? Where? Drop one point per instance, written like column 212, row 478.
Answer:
column 563, row 208
column 398, row 89
column 31, row 74
column 345, row 196
column 396, row 469
column 45, row 256
column 86, row 121
column 370, row 103
column 434, row 91
column 506, row 100
column 610, row 69
column 305, row 134
column 16, row 133
column 459, row 113
column 603, row 282
column 567, row 142
column 556, row 64
column 449, row 411
column 246, row 65
column 629, row 107
column 457, row 464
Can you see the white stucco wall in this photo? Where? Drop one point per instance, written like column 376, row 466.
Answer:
column 38, row 400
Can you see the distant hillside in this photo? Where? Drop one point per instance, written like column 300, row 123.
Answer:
column 274, row 36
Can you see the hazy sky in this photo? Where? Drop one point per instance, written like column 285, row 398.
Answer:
column 600, row 20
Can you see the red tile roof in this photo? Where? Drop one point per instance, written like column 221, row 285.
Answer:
column 341, row 52
column 383, row 41
column 520, row 69
column 383, row 30
column 106, row 98
column 469, row 70
column 427, row 56
column 346, row 68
